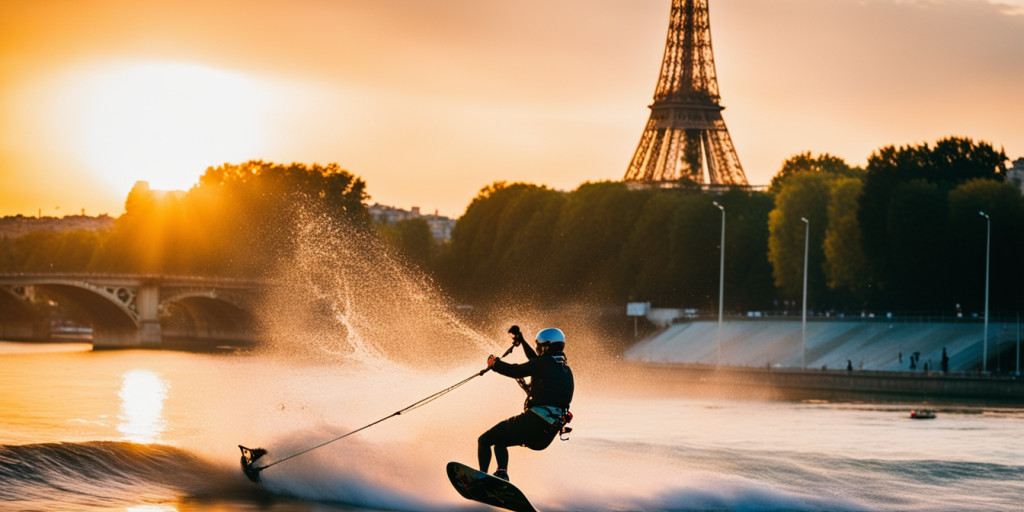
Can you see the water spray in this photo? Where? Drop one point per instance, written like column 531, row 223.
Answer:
column 251, row 455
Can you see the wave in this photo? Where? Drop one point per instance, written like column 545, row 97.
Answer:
column 104, row 474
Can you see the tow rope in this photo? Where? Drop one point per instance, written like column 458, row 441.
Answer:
column 251, row 455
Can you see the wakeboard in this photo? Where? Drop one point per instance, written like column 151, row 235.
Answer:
column 479, row 486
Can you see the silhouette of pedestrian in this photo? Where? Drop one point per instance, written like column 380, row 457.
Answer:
column 945, row 361
column 849, row 365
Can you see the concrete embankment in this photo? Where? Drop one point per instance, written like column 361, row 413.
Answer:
column 832, row 344
column 834, row 384
column 859, row 359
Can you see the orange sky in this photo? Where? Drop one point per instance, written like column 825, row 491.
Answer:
column 430, row 100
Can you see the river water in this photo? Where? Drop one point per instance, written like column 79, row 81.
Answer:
column 356, row 336
column 143, row 430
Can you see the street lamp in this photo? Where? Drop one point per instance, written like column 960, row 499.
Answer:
column 988, row 245
column 803, row 321
column 721, row 282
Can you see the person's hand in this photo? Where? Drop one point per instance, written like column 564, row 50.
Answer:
column 517, row 335
column 490, row 360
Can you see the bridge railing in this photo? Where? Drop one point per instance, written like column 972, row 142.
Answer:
column 172, row 279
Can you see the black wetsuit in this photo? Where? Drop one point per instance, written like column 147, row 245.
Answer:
column 550, row 390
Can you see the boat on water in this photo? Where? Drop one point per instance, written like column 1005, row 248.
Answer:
column 922, row 414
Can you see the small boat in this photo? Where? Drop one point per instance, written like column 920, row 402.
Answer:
column 922, row 414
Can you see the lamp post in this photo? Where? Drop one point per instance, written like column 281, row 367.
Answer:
column 988, row 245
column 721, row 283
column 803, row 321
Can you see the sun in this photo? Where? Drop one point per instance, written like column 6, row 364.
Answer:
column 166, row 122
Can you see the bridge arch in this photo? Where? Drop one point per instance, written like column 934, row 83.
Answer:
column 106, row 309
column 206, row 315
column 111, row 310
column 129, row 310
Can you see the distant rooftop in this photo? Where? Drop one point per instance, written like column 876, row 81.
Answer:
column 18, row 225
column 440, row 226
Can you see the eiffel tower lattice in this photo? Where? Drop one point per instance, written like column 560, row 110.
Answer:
column 686, row 135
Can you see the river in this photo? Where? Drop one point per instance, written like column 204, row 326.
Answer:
column 149, row 430
column 356, row 336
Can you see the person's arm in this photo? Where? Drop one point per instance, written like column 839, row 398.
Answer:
column 516, row 371
column 530, row 353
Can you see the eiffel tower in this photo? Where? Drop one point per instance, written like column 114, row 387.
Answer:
column 686, row 134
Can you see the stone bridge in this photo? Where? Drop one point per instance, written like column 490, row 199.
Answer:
column 131, row 310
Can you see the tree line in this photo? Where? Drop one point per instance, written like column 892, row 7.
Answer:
column 238, row 221
column 605, row 243
column 903, row 234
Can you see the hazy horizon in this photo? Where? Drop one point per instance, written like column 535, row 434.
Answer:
column 431, row 101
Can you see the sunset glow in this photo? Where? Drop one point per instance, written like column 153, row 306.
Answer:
column 142, row 397
column 431, row 101
column 165, row 122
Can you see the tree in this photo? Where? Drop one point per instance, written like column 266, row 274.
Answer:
column 527, row 255
column 804, row 195
column 845, row 266
column 952, row 161
column 695, row 235
column 915, row 274
column 412, row 238
column 672, row 254
column 748, row 272
column 647, row 254
column 239, row 220
column 489, row 246
column 591, row 234
column 144, row 238
column 263, row 204
column 805, row 162
column 46, row 251
column 967, row 232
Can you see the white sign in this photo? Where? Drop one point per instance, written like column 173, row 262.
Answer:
column 637, row 308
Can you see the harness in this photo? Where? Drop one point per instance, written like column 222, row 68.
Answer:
column 556, row 419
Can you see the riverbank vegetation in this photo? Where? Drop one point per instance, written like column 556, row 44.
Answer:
column 903, row 234
column 238, row 220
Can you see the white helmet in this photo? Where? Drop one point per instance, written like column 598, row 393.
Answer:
column 550, row 335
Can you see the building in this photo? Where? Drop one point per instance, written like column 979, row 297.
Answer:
column 440, row 226
column 1015, row 174
column 17, row 225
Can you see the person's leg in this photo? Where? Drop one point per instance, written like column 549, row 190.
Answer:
column 500, row 437
column 483, row 453
column 501, row 456
column 511, row 432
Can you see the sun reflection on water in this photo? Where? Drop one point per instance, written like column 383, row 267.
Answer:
column 142, row 401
